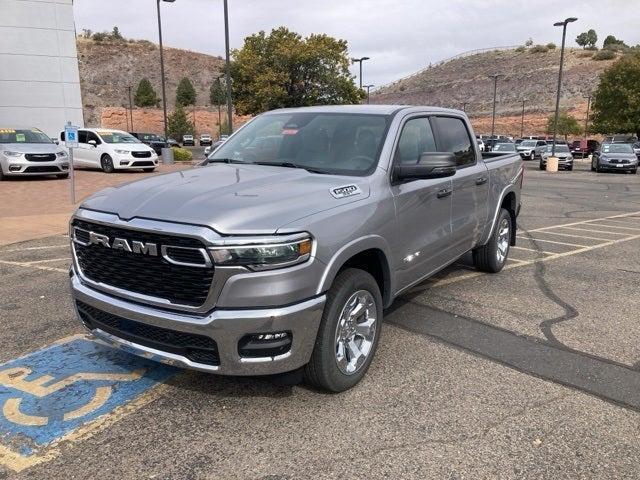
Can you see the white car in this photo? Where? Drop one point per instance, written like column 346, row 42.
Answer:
column 29, row 152
column 112, row 150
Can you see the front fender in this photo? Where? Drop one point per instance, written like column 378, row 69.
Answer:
column 353, row 248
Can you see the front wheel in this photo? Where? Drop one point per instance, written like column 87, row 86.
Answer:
column 492, row 257
column 62, row 176
column 349, row 332
column 532, row 156
column 542, row 167
column 107, row 164
column 148, row 170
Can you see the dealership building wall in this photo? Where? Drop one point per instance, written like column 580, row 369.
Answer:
column 39, row 77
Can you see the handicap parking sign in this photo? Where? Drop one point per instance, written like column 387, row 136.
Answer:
column 71, row 136
column 51, row 393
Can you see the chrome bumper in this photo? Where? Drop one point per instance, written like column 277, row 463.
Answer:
column 226, row 327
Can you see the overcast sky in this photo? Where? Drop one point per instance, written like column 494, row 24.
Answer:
column 400, row 36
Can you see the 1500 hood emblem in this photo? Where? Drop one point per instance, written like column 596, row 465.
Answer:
column 123, row 244
column 345, row 191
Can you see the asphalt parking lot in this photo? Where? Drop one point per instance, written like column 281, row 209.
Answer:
column 533, row 372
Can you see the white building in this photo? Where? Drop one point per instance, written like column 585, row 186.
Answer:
column 39, row 78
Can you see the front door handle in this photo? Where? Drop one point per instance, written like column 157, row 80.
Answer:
column 481, row 180
column 445, row 192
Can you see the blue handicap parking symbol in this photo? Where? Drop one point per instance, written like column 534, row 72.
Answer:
column 49, row 393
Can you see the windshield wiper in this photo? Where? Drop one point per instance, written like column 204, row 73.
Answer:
column 291, row 165
column 223, row 160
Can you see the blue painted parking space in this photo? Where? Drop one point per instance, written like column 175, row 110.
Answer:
column 50, row 393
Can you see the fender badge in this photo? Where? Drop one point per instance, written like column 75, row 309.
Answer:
column 345, row 191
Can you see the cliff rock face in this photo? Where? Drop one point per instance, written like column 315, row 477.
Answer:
column 532, row 77
column 107, row 68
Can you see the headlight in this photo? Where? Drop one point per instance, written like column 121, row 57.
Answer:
column 122, row 152
column 264, row 253
column 11, row 154
column 61, row 154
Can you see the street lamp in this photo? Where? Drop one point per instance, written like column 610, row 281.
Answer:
column 360, row 60
column 164, row 95
column 228, row 67
column 368, row 87
column 562, row 24
column 495, row 77
column 586, row 120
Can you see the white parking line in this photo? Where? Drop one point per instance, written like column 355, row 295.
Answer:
column 531, row 239
column 29, row 265
column 595, row 231
column 576, row 236
column 532, row 250
column 45, row 247
column 48, row 260
column 622, row 215
column 614, row 226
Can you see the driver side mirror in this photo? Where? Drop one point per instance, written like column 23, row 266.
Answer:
column 430, row 165
column 92, row 143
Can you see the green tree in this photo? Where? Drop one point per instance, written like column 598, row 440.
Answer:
column 178, row 124
column 283, row 69
column 115, row 34
column 567, row 125
column 145, row 95
column 217, row 97
column 583, row 39
column 185, row 93
column 592, row 38
column 616, row 104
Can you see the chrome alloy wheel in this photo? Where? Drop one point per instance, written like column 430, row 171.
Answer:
column 504, row 236
column 355, row 332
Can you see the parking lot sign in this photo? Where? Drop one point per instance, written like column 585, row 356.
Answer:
column 71, row 136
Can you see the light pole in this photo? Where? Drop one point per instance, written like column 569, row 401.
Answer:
column 495, row 77
column 228, row 67
column 130, row 107
column 562, row 24
column 522, row 121
column 164, row 94
column 360, row 60
column 586, row 120
column 368, row 87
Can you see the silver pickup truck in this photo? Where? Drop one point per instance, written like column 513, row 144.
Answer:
column 281, row 252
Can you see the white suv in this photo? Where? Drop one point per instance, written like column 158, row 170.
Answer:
column 112, row 150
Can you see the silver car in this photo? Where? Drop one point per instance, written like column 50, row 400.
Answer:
column 531, row 149
column 562, row 153
column 615, row 156
column 29, row 152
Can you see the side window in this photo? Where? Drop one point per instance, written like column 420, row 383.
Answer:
column 62, row 136
column 453, row 137
column 82, row 136
column 415, row 139
column 93, row 136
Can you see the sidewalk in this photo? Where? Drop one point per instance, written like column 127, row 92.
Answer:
column 33, row 208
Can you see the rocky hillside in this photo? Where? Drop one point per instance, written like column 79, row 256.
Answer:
column 107, row 68
column 528, row 76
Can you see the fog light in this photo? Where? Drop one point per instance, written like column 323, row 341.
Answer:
column 267, row 344
column 124, row 162
column 15, row 168
column 64, row 166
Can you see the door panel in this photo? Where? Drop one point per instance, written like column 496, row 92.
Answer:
column 423, row 209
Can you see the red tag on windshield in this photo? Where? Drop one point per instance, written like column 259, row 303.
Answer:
column 289, row 131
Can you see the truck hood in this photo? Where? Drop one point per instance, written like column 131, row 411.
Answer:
column 231, row 199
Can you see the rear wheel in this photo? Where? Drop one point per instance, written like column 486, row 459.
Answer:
column 532, row 155
column 107, row 164
column 349, row 332
column 542, row 166
column 570, row 168
column 493, row 256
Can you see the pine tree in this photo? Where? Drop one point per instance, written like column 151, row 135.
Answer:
column 178, row 124
column 185, row 94
column 145, row 95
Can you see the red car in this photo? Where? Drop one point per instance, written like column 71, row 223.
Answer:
column 584, row 147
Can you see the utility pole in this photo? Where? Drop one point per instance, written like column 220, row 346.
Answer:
column 522, row 121
column 368, row 87
column 586, row 120
column 495, row 77
column 359, row 61
column 130, row 108
column 162, row 80
column 228, row 67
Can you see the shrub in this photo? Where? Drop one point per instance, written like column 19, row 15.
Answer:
column 100, row 36
column 521, row 49
column 551, row 46
column 592, row 48
column 182, row 154
column 585, row 54
column 604, row 55
column 539, row 49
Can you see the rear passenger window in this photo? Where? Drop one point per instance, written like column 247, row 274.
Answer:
column 453, row 137
column 416, row 138
column 82, row 136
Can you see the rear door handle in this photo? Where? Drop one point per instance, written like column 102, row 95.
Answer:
column 481, row 180
column 445, row 192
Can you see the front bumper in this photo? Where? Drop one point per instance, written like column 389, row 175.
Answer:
column 562, row 162
column 20, row 166
column 129, row 162
column 225, row 327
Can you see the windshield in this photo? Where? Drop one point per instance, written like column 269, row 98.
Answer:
column 117, row 137
column 334, row 143
column 617, row 148
column 559, row 148
column 150, row 137
column 504, row 147
column 33, row 135
column 529, row 143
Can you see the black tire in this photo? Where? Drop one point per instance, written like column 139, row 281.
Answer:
column 62, row 176
column 593, row 169
column 634, row 171
column 2, row 175
column 486, row 257
column 532, row 156
column 323, row 371
column 148, row 170
column 570, row 168
column 107, row 164
column 542, row 166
